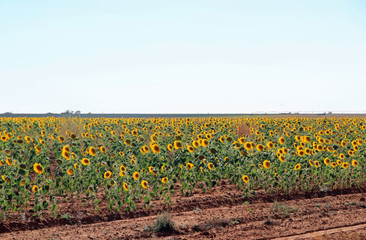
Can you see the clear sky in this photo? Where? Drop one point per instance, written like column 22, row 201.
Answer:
column 182, row 56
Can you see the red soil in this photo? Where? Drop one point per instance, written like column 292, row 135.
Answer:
column 220, row 214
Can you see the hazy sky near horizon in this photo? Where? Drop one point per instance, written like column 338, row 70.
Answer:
column 186, row 56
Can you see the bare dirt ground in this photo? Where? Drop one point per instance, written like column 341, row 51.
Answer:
column 220, row 214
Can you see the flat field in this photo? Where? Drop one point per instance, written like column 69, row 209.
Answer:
column 183, row 178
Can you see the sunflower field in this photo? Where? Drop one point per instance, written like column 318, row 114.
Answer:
column 137, row 160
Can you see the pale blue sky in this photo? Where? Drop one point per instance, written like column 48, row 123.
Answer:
column 182, row 56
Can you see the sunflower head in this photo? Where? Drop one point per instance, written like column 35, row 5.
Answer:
column 35, row 188
column 245, row 178
column 155, row 148
column 70, row 172
column 178, row 145
column 345, row 165
column 85, row 161
column 136, row 175
column 354, row 163
column 297, row 167
column 189, row 166
column 107, row 174
column 266, row 164
column 37, row 167
column 164, row 180
column 66, row 155
column 125, row 186
column 210, row 166
column 144, row 184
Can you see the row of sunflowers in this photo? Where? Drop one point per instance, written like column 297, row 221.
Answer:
column 138, row 160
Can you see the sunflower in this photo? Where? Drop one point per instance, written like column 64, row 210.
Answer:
column 236, row 145
column 245, row 178
column 85, row 161
column 35, row 188
column 210, row 166
column 38, row 168
column 164, row 180
column 195, row 144
column 260, row 147
column 22, row 183
column 102, row 149
column 339, row 162
column 121, row 153
column 151, row 170
column 155, row 148
column 334, row 164
column 297, row 167
column 190, row 148
column 281, row 158
column 127, row 142
column 145, row 148
column 144, row 184
column 9, row 161
column 92, row 151
column 72, row 136
column 178, row 145
column 247, row 146
column 5, row 178
column 189, row 165
column 170, row 147
column 266, row 164
column 301, row 153
column 125, row 186
column 281, row 140
column 345, row 165
column 76, row 166
column 122, row 168
column 326, row 161
column 311, row 162
column 61, row 139
column 122, row 174
column 66, row 148
column 66, row 155
column 354, row 163
column 70, row 172
column 316, row 164
column 204, row 142
column 107, row 174
column 142, row 150
column 341, row 156
column 27, row 139
column 136, row 175
column 163, row 168
column 38, row 149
